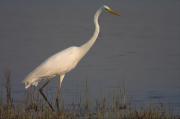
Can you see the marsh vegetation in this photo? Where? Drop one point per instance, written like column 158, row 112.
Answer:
column 34, row 107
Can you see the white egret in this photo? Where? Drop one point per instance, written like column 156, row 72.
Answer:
column 64, row 61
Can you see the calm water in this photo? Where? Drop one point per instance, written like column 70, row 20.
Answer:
column 139, row 50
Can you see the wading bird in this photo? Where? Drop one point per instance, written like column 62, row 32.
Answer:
column 64, row 61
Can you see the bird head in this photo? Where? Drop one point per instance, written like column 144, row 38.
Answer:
column 109, row 10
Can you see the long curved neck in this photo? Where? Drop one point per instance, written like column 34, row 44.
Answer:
column 86, row 46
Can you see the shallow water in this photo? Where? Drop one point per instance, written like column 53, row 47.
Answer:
column 138, row 50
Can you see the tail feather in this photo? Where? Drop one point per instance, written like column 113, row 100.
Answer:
column 30, row 82
column 27, row 86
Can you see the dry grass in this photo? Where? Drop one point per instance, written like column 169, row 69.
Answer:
column 35, row 108
column 102, row 112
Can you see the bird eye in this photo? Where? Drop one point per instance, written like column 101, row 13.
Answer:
column 106, row 7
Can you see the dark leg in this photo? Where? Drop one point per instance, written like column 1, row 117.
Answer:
column 57, row 97
column 58, row 91
column 44, row 96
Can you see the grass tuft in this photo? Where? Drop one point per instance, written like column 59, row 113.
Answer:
column 35, row 108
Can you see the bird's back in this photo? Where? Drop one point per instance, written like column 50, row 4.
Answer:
column 58, row 64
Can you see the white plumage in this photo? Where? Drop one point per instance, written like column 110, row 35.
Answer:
column 64, row 61
column 58, row 64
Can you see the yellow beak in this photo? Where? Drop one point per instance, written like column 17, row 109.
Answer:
column 113, row 12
